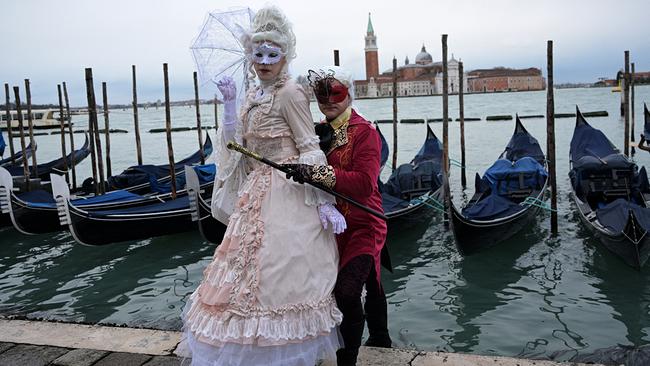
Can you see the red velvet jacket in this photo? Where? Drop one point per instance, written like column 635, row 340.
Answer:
column 356, row 166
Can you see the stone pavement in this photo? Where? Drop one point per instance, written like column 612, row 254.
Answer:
column 38, row 343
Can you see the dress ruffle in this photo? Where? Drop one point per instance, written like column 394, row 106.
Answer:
column 223, row 308
column 306, row 353
column 277, row 327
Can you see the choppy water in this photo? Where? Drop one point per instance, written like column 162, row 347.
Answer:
column 530, row 296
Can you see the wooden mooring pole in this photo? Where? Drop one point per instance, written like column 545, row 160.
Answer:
column 136, row 126
column 550, row 135
column 30, row 123
column 632, row 119
column 626, row 104
column 197, row 104
column 62, row 125
column 168, row 126
column 73, row 161
column 9, row 134
column 107, row 136
column 445, row 129
column 94, row 134
column 461, row 115
column 336, row 58
column 216, row 114
column 394, row 114
column 23, row 148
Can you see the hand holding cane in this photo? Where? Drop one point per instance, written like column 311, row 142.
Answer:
column 237, row 147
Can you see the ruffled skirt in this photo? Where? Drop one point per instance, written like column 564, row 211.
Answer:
column 266, row 297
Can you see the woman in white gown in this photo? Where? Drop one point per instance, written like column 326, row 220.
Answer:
column 266, row 297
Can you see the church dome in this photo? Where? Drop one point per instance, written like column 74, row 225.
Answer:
column 424, row 57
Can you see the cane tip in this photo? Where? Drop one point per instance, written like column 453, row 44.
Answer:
column 230, row 145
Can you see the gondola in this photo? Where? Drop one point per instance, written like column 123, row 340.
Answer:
column 56, row 165
column 210, row 228
column 18, row 157
column 35, row 212
column 141, row 179
column 3, row 144
column 384, row 148
column 610, row 193
column 408, row 193
column 507, row 197
column 106, row 226
column 644, row 143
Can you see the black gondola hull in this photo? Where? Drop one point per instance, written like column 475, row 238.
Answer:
column 32, row 220
column 634, row 253
column 93, row 231
column 40, row 220
column 211, row 229
column 414, row 214
column 5, row 220
column 473, row 236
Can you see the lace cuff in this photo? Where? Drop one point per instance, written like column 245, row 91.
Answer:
column 314, row 196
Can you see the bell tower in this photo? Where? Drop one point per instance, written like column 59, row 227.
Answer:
column 372, row 58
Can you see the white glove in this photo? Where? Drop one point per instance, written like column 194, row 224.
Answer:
column 228, row 90
column 330, row 215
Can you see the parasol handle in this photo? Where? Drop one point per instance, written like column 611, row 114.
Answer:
column 239, row 148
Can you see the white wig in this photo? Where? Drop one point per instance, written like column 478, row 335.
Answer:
column 270, row 24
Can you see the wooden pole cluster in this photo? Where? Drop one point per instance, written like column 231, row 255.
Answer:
column 626, row 104
column 445, row 128
column 550, row 135
column 394, row 114
column 23, row 148
column 96, row 146
column 107, row 128
column 168, row 126
column 135, row 118
column 461, row 115
column 62, row 125
column 30, row 122
column 198, row 116
column 9, row 133
column 73, row 161
column 336, row 58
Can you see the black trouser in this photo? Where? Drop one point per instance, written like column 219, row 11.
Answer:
column 349, row 284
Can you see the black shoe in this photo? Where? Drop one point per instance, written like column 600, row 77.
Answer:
column 347, row 357
column 381, row 342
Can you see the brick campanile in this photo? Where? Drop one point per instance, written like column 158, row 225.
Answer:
column 372, row 58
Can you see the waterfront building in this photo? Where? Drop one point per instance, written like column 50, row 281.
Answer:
column 424, row 77
column 505, row 79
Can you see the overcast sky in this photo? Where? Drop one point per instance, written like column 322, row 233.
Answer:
column 53, row 41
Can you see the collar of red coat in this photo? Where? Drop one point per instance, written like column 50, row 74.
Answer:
column 356, row 119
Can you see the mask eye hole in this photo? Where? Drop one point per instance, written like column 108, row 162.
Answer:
column 259, row 54
column 273, row 54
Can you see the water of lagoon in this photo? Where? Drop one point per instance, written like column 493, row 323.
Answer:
column 530, row 296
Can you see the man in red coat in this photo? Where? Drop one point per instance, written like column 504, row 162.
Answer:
column 353, row 147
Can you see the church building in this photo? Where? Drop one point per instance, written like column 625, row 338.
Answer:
column 424, row 77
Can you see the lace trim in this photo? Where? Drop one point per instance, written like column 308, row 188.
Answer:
column 340, row 137
column 309, row 141
column 263, row 104
column 290, row 324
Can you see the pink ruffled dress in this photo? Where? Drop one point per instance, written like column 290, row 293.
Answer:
column 266, row 297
